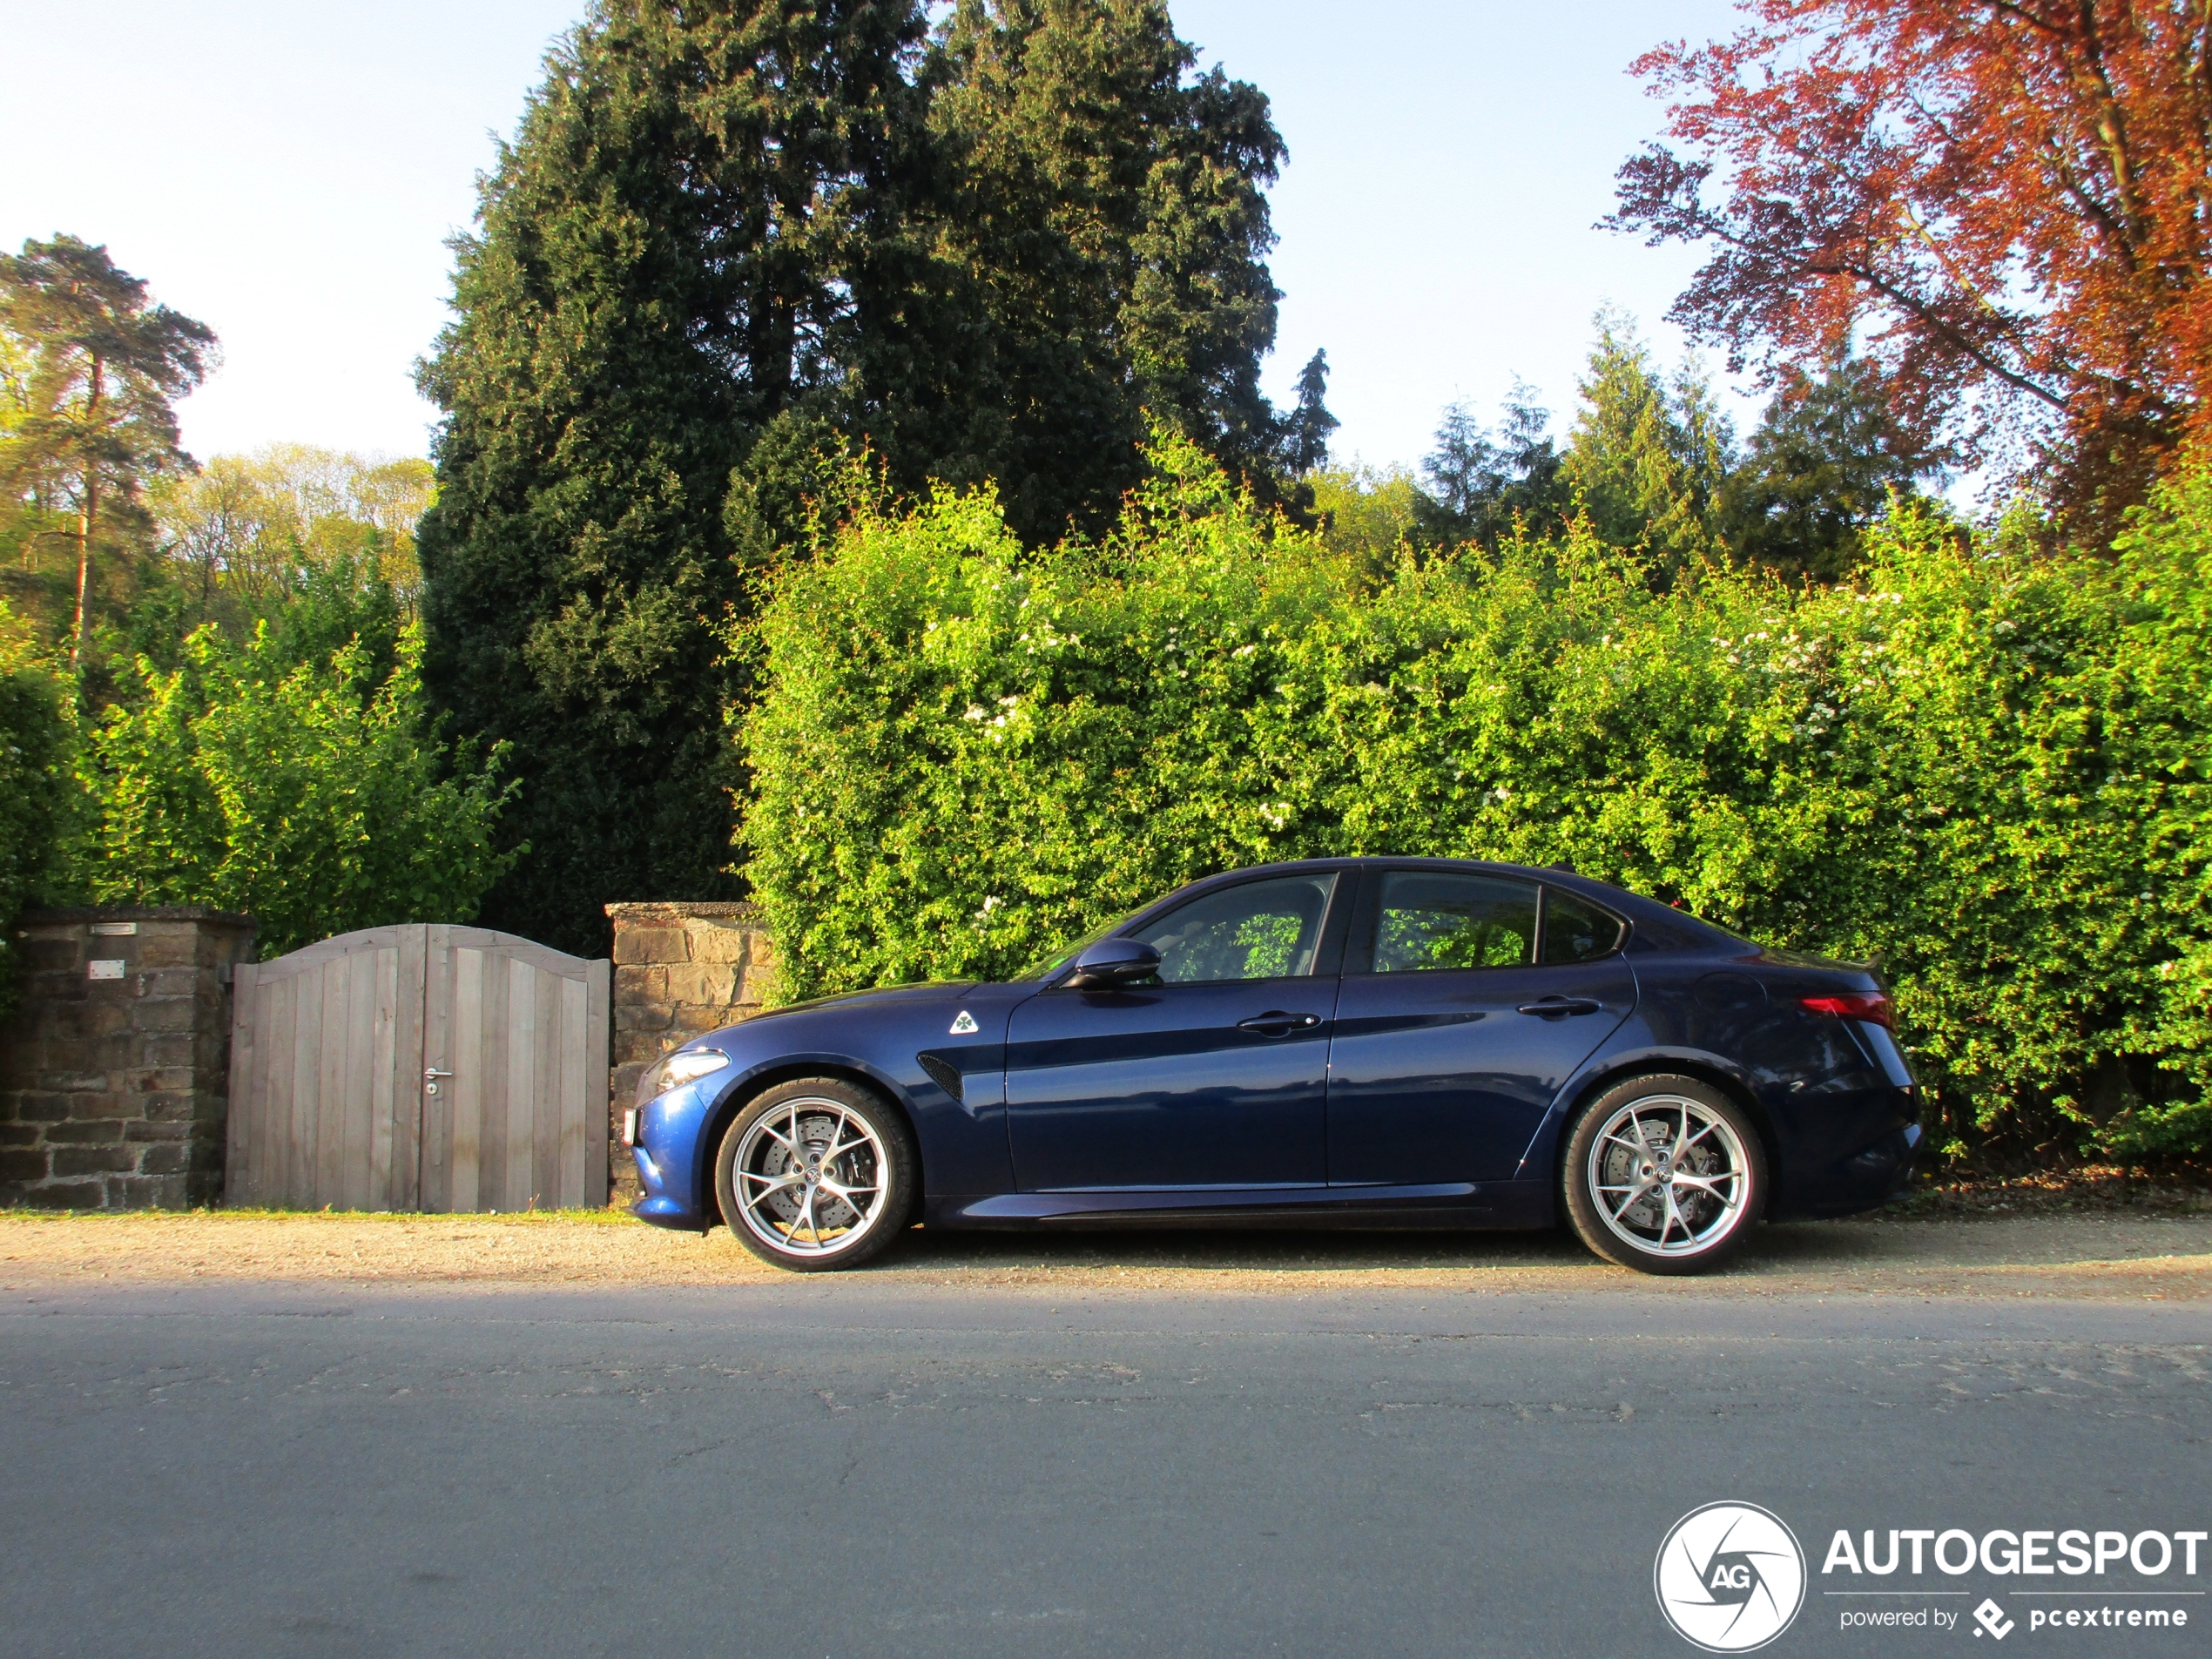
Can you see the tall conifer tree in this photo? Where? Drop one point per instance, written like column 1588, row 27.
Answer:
column 658, row 271
column 1645, row 461
column 734, row 235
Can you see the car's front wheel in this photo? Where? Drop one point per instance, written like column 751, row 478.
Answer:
column 1665, row 1175
column 816, row 1174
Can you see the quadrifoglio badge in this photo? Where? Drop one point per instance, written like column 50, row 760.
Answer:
column 1731, row 1578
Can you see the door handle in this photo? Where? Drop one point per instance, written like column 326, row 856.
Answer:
column 1551, row 1007
column 1277, row 1024
column 430, row 1076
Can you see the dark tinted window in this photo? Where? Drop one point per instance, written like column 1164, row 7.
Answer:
column 1260, row 930
column 1426, row 922
column 1575, row 932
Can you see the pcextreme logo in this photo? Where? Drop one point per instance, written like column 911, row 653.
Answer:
column 1729, row 1577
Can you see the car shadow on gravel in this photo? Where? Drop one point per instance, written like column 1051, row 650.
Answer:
column 1887, row 1242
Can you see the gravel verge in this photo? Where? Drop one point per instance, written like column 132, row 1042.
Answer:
column 2162, row 1255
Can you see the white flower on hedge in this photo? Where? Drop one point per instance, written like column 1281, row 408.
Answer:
column 977, row 711
column 1275, row 816
column 991, row 903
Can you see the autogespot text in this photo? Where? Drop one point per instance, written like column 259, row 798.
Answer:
column 2135, row 1582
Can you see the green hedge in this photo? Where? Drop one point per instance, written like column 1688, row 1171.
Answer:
column 1983, row 768
column 34, row 789
column 311, row 795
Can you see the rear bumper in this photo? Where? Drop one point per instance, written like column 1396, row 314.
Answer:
column 1866, row 1180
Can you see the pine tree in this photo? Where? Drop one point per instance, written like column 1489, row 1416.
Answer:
column 1306, row 428
column 1484, row 485
column 1645, row 461
column 99, row 367
column 1821, row 466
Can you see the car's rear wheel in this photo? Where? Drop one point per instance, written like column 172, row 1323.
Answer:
column 816, row 1174
column 1665, row 1175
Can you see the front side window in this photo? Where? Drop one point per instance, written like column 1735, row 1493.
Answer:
column 1430, row 921
column 1259, row 930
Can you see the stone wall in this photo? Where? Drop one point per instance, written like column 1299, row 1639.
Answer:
column 114, row 1065
column 681, row 970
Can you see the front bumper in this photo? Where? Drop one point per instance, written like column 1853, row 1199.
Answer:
column 667, row 1137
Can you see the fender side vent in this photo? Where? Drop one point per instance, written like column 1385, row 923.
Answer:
column 943, row 1074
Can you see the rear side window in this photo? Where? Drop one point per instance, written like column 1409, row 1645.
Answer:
column 1576, row 931
column 1425, row 920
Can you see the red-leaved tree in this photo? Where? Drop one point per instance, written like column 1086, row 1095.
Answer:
column 2005, row 201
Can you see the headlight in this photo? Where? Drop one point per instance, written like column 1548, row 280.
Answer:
column 678, row 1069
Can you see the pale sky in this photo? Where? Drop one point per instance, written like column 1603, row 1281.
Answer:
column 289, row 172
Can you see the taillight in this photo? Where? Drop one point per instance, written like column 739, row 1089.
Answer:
column 1873, row 1006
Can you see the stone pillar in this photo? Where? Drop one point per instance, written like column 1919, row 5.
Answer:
column 681, row 970
column 114, row 1065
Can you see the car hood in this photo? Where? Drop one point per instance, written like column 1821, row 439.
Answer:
column 889, row 996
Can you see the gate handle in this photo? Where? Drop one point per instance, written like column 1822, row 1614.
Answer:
column 430, row 1076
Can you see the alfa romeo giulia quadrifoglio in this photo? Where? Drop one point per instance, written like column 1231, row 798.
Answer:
column 1411, row 1043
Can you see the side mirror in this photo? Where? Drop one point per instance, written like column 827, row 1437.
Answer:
column 1113, row 963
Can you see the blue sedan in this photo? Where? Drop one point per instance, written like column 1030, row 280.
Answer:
column 1411, row 1042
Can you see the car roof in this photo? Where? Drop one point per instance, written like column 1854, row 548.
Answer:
column 1658, row 924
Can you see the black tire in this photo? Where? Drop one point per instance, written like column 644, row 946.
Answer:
column 1630, row 1202
column 812, row 1154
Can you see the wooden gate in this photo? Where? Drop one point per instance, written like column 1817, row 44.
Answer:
column 421, row 1067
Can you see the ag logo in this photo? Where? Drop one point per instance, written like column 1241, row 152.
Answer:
column 1729, row 1577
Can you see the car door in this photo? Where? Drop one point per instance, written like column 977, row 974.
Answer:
column 1468, row 1001
column 1214, row 1075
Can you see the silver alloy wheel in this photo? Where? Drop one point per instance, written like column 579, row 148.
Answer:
column 810, row 1178
column 1669, row 1175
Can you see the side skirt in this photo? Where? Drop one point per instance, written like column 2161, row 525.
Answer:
column 1502, row 1204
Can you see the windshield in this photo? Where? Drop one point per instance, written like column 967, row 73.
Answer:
column 1044, row 966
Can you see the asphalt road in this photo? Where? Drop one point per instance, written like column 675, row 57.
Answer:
column 835, row 1466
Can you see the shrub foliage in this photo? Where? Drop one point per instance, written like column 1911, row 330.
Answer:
column 1983, row 768
column 304, row 793
column 36, row 733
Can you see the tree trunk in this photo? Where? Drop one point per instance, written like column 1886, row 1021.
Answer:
column 88, row 513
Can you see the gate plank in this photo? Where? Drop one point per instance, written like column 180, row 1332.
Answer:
column 573, row 1068
column 488, row 1043
column 241, row 1142
column 306, row 1055
column 383, row 1029
column 466, row 1085
column 410, row 1039
column 330, row 1086
column 598, row 999
column 439, row 983
column 359, row 1122
column 545, row 1088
